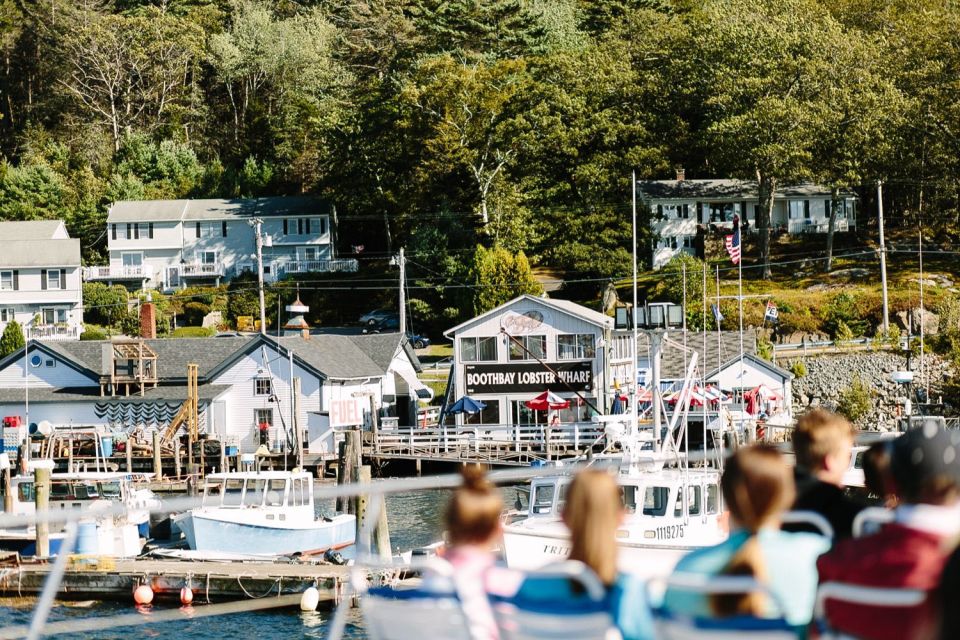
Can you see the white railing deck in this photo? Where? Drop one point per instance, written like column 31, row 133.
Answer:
column 492, row 443
column 348, row 265
column 54, row 332
column 202, row 269
column 107, row 272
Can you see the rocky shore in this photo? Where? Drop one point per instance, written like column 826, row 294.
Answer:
column 828, row 376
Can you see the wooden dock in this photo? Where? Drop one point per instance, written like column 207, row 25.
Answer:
column 115, row 579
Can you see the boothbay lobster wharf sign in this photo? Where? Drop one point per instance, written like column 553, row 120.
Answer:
column 528, row 377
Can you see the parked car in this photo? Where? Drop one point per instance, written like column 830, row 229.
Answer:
column 377, row 316
column 418, row 341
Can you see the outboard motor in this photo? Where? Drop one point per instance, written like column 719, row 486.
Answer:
column 334, row 557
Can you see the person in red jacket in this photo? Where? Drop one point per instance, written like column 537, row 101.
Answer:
column 911, row 551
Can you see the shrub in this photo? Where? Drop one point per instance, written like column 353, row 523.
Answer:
column 798, row 368
column 842, row 334
column 764, row 348
column 91, row 332
column 193, row 332
column 844, row 310
column 12, row 339
column 855, row 400
column 193, row 313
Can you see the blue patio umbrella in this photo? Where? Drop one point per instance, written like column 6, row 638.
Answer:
column 466, row 404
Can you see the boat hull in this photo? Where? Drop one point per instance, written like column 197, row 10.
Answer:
column 204, row 533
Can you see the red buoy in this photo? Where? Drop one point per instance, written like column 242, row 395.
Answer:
column 143, row 594
column 186, row 596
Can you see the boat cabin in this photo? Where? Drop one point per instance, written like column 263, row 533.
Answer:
column 275, row 490
column 71, row 490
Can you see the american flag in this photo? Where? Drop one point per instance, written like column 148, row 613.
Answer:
column 733, row 242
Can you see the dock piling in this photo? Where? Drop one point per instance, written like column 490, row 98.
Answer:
column 41, row 497
column 128, row 448
column 157, row 468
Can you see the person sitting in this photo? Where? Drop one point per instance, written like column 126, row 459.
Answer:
column 757, row 487
column 472, row 522
column 911, row 551
column 592, row 513
column 822, row 443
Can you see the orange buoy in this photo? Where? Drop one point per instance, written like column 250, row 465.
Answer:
column 186, row 596
column 143, row 594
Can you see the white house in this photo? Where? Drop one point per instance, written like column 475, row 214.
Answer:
column 681, row 211
column 40, row 283
column 524, row 347
column 168, row 244
column 243, row 382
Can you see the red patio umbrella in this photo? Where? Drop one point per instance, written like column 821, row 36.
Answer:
column 547, row 400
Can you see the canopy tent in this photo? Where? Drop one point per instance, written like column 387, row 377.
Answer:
column 547, row 400
column 466, row 404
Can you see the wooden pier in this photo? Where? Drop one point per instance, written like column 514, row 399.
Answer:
column 115, row 579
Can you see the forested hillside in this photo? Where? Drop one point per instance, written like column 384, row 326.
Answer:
column 442, row 124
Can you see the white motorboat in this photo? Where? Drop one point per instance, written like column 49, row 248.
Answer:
column 263, row 513
column 669, row 511
column 93, row 492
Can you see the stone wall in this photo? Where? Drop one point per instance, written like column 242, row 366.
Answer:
column 829, row 375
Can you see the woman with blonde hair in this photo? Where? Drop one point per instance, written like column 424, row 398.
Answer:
column 758, row 487
column 592, row 513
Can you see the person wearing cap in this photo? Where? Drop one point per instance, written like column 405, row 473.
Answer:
column 909, row 552
column 822, row 443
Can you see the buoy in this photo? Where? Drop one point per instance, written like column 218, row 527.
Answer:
column 143, row 594
column 310, row 599
column 186, row 596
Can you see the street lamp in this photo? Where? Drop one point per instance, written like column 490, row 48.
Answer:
column 257, row 224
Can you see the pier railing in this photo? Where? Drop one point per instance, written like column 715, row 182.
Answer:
column 497, row 444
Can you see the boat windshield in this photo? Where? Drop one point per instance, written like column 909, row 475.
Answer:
column 233, row 493
column 655, row 501
column 275, row 492
column 628, row 497
column 253, row 497
column 212, row 492
column 110, row 490
column 297, row 493
column 542, row 502
column 66, row 490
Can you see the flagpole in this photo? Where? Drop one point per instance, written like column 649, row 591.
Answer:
column 719, row 334
column 636, row 347
column 740, row 304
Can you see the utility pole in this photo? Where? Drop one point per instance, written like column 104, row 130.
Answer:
column 883, row 261
column 257, row 224
column 403, row 293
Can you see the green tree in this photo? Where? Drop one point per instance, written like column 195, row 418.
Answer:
column 12, row 339
column 499, row 276
column 104, row 305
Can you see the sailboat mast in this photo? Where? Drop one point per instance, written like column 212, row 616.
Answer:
column 636, row 346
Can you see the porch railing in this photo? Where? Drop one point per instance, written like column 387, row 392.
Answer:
column 347, row 265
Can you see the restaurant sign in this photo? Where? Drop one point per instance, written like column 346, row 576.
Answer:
column 528, row 377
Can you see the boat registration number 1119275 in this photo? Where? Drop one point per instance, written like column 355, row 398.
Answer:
column 669, row 532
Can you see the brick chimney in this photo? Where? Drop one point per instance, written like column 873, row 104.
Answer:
column 681, row 174
column 148, row 321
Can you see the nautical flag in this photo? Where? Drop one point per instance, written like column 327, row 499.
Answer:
column 733, row 242
column 771, row 314
column 716, row 313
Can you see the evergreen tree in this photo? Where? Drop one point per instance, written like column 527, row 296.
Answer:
column 12, row 339
column 499, row 276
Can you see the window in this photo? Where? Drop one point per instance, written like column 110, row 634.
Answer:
column 113, row 232
column 655, row 501
column 478, row 349
column 7, row 315
column 713, row 502
column 277, row 488
column 263, row 416
column 8, row 281
column 532, row 347
column 575, row 346
column 53, row 316
column 322, row 225
column 795, row 209
column 693, row 502
column 25, row 492
column 296, row 494
column 233, row 493
column 542, row 499
column 131, row 259
column 52, row 279
column 208, row 257
column 628, row 498
column 212, row 492
column 253, row 496
column 49, row 362
column 262, row 387
column 490, row 414
column 806, row 209
column 150, row 231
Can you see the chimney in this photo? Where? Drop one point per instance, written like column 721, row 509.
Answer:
column 148, row 321
column 681, row 174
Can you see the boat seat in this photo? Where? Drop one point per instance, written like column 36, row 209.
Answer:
column 867, row 597
column 678, row 626
column 555, row 616
column 870, row 520
column 807, row 521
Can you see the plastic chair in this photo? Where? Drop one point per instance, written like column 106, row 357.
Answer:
column 868, row 597
column 870, row 519
column 679, row 626
column 557, row 618
column 811, row 519
column 428, row 614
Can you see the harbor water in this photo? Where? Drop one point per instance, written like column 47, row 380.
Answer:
column 415, row 520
